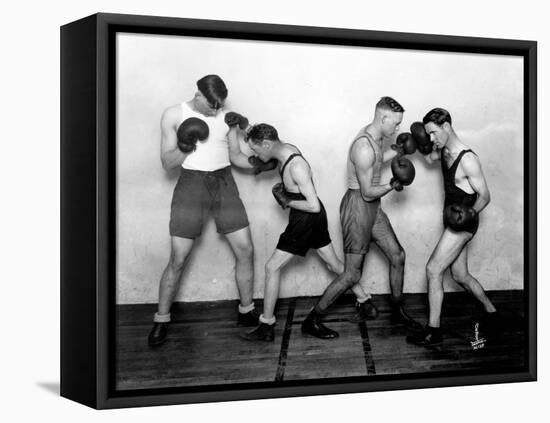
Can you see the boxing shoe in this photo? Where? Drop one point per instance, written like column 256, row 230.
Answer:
column 427, row 337
column 313, row 326
column 400, row 317
column 249, row 319
column 158, row 334
column 364, row 311
column 264, row 332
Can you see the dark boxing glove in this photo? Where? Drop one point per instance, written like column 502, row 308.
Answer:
column 459, row 217
column 403, row 173
column 189, row 132
column 396, row 185
column 422, row 138
column 279, row 193
column 404, row 144
column 233, row 119
column 261, row 166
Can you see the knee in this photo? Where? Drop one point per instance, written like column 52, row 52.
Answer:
column 463, row 278
column 351, row 277
column 176, row 263
column 244, row 252
column 271, row 267
column 433, row 270
column 398, row 258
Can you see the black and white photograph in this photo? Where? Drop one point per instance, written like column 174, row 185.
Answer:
column 277, row 211
column 293, row 212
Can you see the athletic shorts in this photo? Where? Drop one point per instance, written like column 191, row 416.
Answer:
column 362, row 222
column 199, row 193
column 471, row 228
column 304, row 231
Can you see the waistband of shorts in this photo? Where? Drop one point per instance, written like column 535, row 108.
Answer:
column 357, row 191
column 216, row 172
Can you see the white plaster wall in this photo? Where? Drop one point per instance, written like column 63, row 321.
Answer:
column 317, row 97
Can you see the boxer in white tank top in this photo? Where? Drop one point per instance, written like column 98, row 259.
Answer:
column 205, row 186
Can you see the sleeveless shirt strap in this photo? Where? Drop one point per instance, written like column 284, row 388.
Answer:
column 287, row 161
column 462, row 154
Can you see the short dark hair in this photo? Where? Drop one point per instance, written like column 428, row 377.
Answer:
column 438, row 116
column 213, row 88
column 388, row 103
column 262, row 131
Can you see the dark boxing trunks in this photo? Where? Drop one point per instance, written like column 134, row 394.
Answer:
column 304, row 230
column 199, row 193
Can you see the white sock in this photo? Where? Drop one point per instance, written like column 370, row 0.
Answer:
column 161, row 318
column 361, row 300
column 267, row 321
column 246, row 309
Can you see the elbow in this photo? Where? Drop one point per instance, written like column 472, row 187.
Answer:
column 367, row 197
column 315, row 208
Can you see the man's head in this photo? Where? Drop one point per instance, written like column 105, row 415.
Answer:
column 261, row 139
column 388, row 115
column 438, row 124
column 211, row 94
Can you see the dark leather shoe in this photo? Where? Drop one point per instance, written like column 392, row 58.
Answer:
column 313, row 326
column 249, row 319
column 400, row 317
column 427, row 337
column 263, row 332
column 364, row 311
column 157, row 336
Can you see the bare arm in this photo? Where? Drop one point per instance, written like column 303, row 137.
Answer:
column 170, row 155
column 472, row 168
column 236, row 156
column 363, row 160
column 388, row 155
column 301, row 175
column 434, row 156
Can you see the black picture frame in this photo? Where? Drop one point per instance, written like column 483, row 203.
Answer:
column 88, row 170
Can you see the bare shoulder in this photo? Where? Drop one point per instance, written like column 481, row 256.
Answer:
column 172, row 114
column 361, row 151
column 470, row 163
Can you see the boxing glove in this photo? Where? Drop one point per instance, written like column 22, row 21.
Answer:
column 459, row 217
column 189, row 132
column 234, row 119
column 422, row 138
column 403, row 172
column 261, row 166
column 279, row 193
column 404, row 144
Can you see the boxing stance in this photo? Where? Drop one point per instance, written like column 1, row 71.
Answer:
column 307, row 224
column 466, row 195
column 363, row 220
column 203, row 140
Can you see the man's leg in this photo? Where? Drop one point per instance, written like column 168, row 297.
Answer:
column 446, row 251
column 384, row 237
column 272, row 281
column 365, row 308
column 241, row 245
column 265, row 330
column 312, row 324
column 461, row 274
column 168, row 287
column 349, row 277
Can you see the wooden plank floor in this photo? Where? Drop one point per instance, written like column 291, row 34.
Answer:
column 204, row 347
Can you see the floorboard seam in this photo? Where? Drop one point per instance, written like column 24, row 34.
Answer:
column 369, row 361
column 285, row 341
